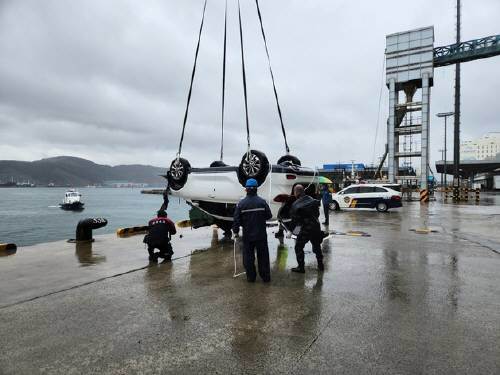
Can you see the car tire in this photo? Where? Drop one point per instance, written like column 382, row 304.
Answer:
column 254, row 164
column 334, row 206
column 288, row 160
column 178, row 173
column 218, row 163
column 381, row 207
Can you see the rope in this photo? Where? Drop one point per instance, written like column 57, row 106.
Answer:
column 223, row 85
column 192, row 80
column 272, row 77
column 244, row 80
column 234, row 257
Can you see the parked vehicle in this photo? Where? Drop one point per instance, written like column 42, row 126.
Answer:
column 382, row 197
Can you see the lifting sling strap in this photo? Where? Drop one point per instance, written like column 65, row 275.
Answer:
column 244, row 78
column 272, row 76
column 192, row 80
column 223, row 85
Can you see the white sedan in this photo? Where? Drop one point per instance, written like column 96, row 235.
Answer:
column 379, row 196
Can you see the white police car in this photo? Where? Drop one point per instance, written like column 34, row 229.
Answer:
column 379, row 196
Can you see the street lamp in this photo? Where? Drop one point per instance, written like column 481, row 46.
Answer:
column 445, row 115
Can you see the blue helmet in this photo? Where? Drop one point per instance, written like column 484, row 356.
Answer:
column 251, row 183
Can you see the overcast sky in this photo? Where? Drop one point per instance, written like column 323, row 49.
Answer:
column 108, row 80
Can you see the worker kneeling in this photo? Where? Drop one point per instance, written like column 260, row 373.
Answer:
column 161, row 229
column 251, row 213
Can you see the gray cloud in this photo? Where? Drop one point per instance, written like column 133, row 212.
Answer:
column 107, row 80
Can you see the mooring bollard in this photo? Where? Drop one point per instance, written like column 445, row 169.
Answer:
column 85, row 227
column 7, row 249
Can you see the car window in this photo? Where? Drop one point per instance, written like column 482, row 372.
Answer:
column 351, row 190
column 377, row 189
column 394, row 187
column 365, row 189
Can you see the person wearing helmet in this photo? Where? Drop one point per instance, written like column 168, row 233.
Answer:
column 251, row 214
column 161, row 229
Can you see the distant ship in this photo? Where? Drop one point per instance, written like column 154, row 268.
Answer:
column 72, row 201
column 12, row 183
column 8, row 184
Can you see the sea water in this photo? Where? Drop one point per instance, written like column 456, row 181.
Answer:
column 32, row 215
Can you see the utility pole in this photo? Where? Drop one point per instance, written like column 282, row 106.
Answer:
column 456, row 135
column 442, row 158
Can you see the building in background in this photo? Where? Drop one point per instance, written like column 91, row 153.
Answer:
column 483, row 148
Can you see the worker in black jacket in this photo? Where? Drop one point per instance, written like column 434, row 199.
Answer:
column 161, row 229
column 251, row 213
column 305, row 215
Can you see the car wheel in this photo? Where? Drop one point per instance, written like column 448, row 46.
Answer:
column 381, row 207
column 254, row 164
column 218, row 163
column 287, row 160
column 334, row 206
column 178, row 173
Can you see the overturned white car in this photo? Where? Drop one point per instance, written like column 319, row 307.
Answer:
column 217, row 189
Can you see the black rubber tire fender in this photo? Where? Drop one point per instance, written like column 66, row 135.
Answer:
column 289, row 160
column 254, row 164
column 178, row 173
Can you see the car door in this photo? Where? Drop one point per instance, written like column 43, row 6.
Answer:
column 364, row 198
column 347, row 197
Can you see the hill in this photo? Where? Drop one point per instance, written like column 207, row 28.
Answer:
column 72, row 171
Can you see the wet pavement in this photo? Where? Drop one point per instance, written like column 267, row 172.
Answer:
column 396, row 302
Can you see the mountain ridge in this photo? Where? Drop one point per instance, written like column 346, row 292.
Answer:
column 75, row 171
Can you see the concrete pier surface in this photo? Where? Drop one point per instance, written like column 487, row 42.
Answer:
column 398, row 301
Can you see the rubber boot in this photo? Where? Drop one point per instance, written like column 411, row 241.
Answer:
column 299, row 268
column 321, row 266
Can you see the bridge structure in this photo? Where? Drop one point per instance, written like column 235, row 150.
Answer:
column 410, row 62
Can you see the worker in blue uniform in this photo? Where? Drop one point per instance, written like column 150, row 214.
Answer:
column 251, row 214
column 326, row 199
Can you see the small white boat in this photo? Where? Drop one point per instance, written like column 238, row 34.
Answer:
column 72, row 201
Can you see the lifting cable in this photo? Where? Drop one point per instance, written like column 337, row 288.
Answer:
column 272, row 76
column 379, row 107
column 192, row 80
column 223, row 85
column 244, row 79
